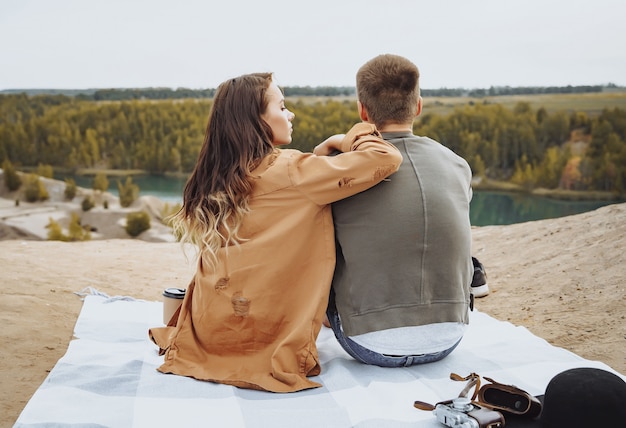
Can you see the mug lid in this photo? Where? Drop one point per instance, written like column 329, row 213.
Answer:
column 174, row 293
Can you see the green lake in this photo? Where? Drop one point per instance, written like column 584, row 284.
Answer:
column 487, row 208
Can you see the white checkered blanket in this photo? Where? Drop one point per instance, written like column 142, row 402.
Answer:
column 108, row 378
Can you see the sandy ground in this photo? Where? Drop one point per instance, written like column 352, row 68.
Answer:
column 563, row 279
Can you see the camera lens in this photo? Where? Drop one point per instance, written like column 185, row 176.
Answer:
column 462, row 404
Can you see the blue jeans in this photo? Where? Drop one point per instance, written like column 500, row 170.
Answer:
column 368, row 356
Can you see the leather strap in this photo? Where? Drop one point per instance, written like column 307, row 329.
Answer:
column 423, row 406
column 473, row 382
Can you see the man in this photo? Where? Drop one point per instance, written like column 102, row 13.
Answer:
column 401, row 288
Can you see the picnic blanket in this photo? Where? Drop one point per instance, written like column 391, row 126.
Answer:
column 108, row 378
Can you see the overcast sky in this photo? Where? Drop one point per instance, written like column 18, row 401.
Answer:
column 79, row 44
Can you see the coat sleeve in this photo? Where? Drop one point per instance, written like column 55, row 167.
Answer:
column 365, row 161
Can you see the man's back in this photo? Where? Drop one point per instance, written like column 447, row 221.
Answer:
column 404, row 246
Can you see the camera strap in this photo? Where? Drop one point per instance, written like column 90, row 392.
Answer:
column 473, row 381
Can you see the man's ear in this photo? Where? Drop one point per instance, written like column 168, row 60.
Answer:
column 362, row 112
column 419, row 107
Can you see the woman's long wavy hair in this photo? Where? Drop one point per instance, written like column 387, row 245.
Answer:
column 216, row 196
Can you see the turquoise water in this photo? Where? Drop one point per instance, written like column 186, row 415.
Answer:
column 493, row 208
column 487, row 208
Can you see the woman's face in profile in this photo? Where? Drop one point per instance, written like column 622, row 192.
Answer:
column 277, row 116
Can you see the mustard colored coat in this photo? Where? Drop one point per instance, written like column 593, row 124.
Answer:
column 252, row 321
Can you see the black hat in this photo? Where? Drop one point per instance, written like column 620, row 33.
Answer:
column 584, row 397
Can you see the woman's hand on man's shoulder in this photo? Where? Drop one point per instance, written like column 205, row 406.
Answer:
column 329, row 145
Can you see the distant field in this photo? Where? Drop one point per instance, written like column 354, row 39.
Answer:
column 592, row 103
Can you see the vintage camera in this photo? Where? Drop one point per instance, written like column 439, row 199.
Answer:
column 462, row 413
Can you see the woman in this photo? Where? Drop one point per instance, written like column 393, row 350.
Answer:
column 262, row 222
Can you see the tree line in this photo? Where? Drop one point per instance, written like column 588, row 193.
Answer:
column 126, row 94
column 531, row 147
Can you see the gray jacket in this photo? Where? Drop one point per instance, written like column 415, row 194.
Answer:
column 404, row 246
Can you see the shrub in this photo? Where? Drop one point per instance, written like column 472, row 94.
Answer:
column 100, row 182
column 45, row 170
column 168, row 213
column 76, row 231
column 55, row 232
column 87, row 203
column 128, row 192
column 34, row 189
column 31, row 188
column 43, row 192
column 12, row 180
column 70, row 189
column 137, row 222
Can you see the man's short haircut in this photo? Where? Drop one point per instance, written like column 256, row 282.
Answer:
column 388, row 88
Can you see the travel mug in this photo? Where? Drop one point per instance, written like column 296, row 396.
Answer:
column 172, row 299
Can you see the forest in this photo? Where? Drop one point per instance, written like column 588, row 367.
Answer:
column 530, row 146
